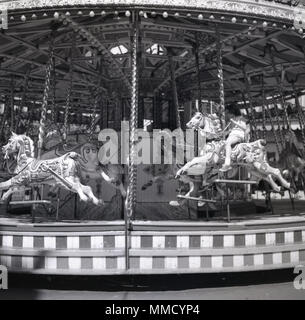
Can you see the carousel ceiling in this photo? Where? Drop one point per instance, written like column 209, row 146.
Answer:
column 262, row 49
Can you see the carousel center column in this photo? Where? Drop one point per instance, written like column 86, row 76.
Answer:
column 131, row 198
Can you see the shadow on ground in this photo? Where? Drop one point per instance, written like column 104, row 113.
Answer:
column 149, row 282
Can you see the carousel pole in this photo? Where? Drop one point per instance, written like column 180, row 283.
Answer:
column 273, row 129
column 198, row 72
column 278, row 122
column 280, row 88
column 220, row 80
column 43, row 114
column 174, row 89
column 93, row 116
column 12, row 104
column 265, row 108
column 222, row 107
column 94, row 112
column 44, row 105
column 251, row 113
column 4, row 118
column 23, row 98
column 69, row 91
column 300, row 112
column 248, row 115
column 54, row 110
column 132, row 167
column 53, row 106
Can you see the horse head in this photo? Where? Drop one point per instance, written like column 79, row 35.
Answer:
column 14, row 144
column 209, row 123
column 197, row 121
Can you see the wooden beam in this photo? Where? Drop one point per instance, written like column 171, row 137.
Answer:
column 95, row 42
column 184, row 68
column 34, row 47
column 289, row 46
column 250, row 56
column 253, row 72
column 191, row 62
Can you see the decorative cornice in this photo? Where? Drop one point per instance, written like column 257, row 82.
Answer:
column 249, row 7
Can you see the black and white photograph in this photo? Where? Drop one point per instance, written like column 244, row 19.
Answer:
column 152, row 153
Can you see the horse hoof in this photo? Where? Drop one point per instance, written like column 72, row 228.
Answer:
column 201, row 204
column 181, row 173
column 293, row 190
column 100, row 203
column 174, row 203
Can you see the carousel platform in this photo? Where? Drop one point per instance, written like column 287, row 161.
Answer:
column 65, row 47
column 154, row 247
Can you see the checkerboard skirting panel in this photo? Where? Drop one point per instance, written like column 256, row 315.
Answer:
column 148, row 240
column 152, row 252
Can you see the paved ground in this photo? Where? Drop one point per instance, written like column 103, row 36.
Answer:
column 280, row 291
column 255, row 285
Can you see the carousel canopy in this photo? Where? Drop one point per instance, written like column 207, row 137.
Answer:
column 261, row 45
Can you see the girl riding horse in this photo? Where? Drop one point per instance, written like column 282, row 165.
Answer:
column 239, row 133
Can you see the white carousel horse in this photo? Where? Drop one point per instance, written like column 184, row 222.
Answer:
column 251, row 155
column 291, row 159
column 89, row 165
column 207, row 124
column 61, row 171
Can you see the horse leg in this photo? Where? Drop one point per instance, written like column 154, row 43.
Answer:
column 119, row 186
column 274, row 186
column 122, row 190
column 117, row 183
column 88, row 192
column 6, row 184
column 266, row 170
column 277, row 173
column 197, row 160
column 76, row 187
column 7, row 194
column 188, row 180
column 192, row 187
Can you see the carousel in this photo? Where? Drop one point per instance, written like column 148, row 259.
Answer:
column 149, row 137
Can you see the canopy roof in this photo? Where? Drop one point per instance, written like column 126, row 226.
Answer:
column 258, row 38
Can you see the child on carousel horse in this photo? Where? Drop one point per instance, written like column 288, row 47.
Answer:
column 239, row 132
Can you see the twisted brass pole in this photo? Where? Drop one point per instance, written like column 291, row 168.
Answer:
column 220, row 81
column 251, row 113
column 69, row 91
column 43, row 115
column 300, row 113
column 280, row 88
column 132, row 167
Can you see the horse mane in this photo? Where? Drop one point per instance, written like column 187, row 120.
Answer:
column 30, row 143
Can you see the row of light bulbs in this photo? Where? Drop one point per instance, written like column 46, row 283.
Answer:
column 165, row 15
